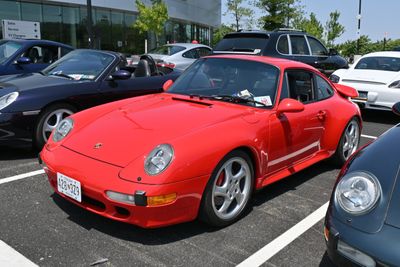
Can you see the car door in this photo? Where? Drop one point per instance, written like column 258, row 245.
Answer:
column 295, row 137
column 322, row 61
column 300, row 50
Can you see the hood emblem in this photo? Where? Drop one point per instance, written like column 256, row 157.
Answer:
column 97, row 146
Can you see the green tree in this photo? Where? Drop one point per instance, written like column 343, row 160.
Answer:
column 151, row 18
column 220, row 32
column 280, row 13
column 311, row 25
column 333, row 28
column 240, row 13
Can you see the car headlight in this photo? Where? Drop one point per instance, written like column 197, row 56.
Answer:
column 334, row 78
column 358, row 192
column 395, row 84
column 8, row 99
column 63, row 129
column 158, row 159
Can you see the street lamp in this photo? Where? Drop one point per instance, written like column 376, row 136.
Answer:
column 358, row 29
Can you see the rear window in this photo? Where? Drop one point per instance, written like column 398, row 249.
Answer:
column 167, row 50
column 379, row 63
column 242, row 43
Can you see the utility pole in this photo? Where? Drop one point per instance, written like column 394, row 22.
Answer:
column 358, row 28
column 90, row 23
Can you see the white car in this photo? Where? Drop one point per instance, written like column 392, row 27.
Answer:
column 179, row 55
column 376, row 76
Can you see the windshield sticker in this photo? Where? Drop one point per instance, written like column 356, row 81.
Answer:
column 245, row 93
column 263, row 99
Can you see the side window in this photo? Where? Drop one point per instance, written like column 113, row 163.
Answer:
column 317, row 48
column 283, row 45
column 42, row 54
column 301, row 86
column 203, row 51
column 284, row 91
column 64, row 51
column 190, row 54
column 324, row 90
column 299, row 45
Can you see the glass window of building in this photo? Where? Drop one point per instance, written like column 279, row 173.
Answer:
column 102, row 29
column 70, row 19
column 117, row 24
column 31, row 11
column 51, row 27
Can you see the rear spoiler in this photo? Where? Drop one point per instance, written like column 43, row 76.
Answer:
column 345, row 90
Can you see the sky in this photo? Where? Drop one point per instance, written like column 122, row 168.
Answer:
column 377, row 16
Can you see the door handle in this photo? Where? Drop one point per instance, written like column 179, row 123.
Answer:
column 321, row 115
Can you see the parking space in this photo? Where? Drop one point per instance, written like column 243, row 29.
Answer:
column 50, row 231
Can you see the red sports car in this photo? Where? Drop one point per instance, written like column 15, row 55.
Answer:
column 228, row 126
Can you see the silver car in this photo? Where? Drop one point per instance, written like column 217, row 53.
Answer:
column 179, row 55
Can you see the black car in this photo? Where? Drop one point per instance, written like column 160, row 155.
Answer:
column 27, row 56
column 32, row 105
column 362, row 224
column 283, row 43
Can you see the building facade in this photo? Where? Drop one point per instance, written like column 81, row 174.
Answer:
column 66, row 21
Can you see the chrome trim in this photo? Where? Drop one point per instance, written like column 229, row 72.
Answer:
column 31, row 112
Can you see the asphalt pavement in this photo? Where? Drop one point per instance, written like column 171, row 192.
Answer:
column 49, row 231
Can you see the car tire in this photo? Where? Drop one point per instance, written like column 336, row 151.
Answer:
column 348, row 143
column 226, row 197
column 49, row 118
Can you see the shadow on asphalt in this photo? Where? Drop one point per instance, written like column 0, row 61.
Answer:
column 182, row 231
column 326, row 262
column 380, row 116
column 17, row 152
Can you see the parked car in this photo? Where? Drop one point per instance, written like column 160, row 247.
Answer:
column 283, row 43
column 362, row 224
column 230, row 124
column 32, row 105
column 376, row 76
column 179, row 55
column 27, row 56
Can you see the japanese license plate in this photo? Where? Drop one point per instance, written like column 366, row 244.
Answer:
column 69, row 187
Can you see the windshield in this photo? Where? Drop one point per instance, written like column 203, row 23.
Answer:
column 379, row 63
column 167, row 50
column 242, row 43
column 214, row 77
column 7, row 49
column 80, row 65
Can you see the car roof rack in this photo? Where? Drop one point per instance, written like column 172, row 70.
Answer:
column 287, row 30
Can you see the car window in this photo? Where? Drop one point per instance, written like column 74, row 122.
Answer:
column 324, row 90
column 285, row 87
column 299, row 45
column 65, row 51
column 317, row 48
column 301, row 86
column 191, row 54
column 7, row 49
column 283, row 46
column 167, row 50
column 42, row 54
column 203, row 51
column 379, row 63
column 243, row 43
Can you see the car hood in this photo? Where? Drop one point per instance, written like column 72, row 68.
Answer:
column 369, row 76
column 23, row 82
column 134, row 129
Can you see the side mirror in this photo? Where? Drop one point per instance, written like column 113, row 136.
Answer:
column 121, row 75
column 396, row 108
column 289, row 105
column 333, row 52
column 24, row 60
column 167, row 85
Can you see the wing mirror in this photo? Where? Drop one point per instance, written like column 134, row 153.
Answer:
column 24, row 61
column 167, row 85
column 289, row 105
column 121, row 75
column 396, row 108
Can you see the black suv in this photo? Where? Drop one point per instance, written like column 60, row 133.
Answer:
column 283, row 43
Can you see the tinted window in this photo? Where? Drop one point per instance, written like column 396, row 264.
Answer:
column 283, row 46
column 203, row 51
column 191, row 54
column 244, row 43
column 42, row 54
column 232, row 77
column 316, row 47
column 324, row 90
column 300, row 86
column 299, row 45
column 7, row 49
column 379, row 63
column 167, row 50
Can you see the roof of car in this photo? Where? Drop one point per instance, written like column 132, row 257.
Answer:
column 38, row 41
column 278, row 62
column 267, row 33
column 384, row 54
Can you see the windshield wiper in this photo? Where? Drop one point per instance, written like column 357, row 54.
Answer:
column 230, row 98
column 62, row 75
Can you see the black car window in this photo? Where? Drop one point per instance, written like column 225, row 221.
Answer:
column 317, row 48
column 243, row 43
column 379, row 63
column 203, row 51
column 299, row 45
column 284, row 91
column 39, row 54
column 7, row 49
column 191, row 54
column 283, row 45
column 65, row 51
column 301, row 86
column 324, row 90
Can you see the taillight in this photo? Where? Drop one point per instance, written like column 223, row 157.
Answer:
column 166, row 64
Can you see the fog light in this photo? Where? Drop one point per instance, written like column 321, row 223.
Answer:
column 355, row 255
column 161, row 200
column 129, row 199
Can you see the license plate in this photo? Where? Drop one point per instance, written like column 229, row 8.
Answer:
column 362, row 95
column 69, row 187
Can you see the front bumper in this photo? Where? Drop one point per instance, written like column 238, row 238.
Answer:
column 379, row 248
column 16, row 127
column 97, row 177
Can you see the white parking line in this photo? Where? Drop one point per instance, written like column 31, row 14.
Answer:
column 369, row 136
column 285, row 239
column 20, row 176
column 10, row 257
